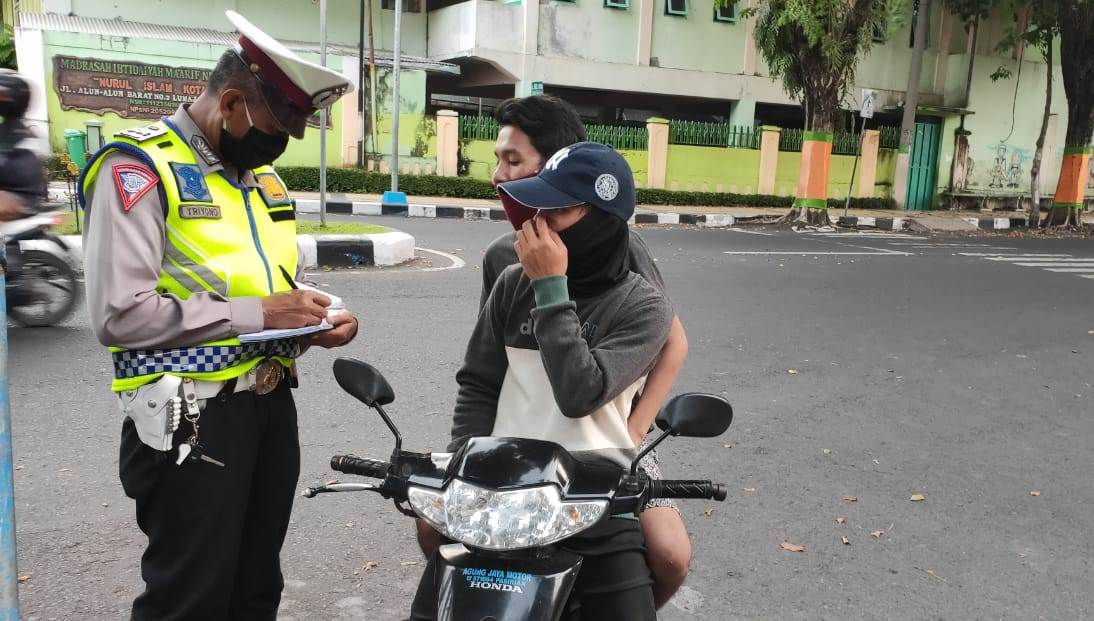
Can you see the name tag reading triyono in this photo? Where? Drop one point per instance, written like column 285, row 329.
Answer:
column 199, row 211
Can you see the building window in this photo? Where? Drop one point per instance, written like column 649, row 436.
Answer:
column 725, row 12
column 409, row 6
column 915, row 17
column 617, row 4
column 676, row 7
column 879, row 34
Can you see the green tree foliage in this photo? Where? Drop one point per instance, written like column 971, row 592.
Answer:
column 814, row 47
column 7, row 48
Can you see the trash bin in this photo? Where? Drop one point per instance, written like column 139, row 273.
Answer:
column 76, row 141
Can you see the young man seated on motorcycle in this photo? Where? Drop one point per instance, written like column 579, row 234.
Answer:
column 562, row 346
column 532, row 129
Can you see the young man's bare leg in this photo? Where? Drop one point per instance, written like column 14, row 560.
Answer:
column 668, row 551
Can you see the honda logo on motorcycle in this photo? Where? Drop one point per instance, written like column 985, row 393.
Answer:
column 493, row 586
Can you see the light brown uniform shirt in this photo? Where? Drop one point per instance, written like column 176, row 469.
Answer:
column 123, row 252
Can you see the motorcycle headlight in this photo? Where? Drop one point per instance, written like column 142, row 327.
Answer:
column 503, row 520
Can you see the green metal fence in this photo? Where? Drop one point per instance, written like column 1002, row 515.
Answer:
column 890, row 137
column 790, row 139
column 478, row 128
column 701, row 134
column 618, row 136
column 843, row 143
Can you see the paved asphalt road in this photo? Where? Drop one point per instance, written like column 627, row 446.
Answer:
column 922, row 366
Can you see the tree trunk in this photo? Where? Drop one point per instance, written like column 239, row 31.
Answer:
column 821, row 109
column 1034, row 216
column 1077, row 66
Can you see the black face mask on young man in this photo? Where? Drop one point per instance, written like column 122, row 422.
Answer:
column 256, row 147
column 598, row 246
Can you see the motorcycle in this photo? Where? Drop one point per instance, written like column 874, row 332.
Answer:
column 41, row 285
column 508, row 502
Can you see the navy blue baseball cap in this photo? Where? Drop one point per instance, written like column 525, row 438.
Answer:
column 581, row 173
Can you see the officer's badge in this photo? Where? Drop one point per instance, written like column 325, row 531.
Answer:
column 273, row 190
column 202, row 148
column 133, row 182
column 191, row 183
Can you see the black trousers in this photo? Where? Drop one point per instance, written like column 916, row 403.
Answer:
column 215, row 534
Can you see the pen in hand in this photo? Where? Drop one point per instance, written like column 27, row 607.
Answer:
column 289, row 279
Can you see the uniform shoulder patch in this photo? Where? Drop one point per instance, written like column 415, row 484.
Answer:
column 133, row 181
column 272, row 189
column 191, row 183
column 141, row 134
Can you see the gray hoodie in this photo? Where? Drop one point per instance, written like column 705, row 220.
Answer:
column 540, row 365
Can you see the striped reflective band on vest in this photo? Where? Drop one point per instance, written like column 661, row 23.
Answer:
column 200, row 359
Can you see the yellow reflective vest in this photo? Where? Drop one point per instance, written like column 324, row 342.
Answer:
column 221, row 237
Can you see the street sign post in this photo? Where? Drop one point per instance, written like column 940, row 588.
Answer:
column 866, row 111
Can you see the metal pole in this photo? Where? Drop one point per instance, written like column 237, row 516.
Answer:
column 361, row 87
column 372, row 81
column 854, row 166
column 9, row 586
column 323, row 119
column 396, row 100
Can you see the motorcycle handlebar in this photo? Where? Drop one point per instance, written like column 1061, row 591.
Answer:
column 362, row 466
column 702, row 490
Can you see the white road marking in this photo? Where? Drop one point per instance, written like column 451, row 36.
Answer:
column 1064, row 259
column 882, row 253
column 870, row 234
column 737, row 230
column 1009, row 254
column 1086, row 269
column 457, row 262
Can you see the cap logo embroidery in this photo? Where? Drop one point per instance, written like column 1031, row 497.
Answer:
column 133, row 181
column 556, row 159
column 607, row 187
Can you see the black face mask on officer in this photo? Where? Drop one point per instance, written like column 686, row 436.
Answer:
column 256, row 147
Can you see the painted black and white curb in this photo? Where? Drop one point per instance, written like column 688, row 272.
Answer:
column 997, row 224
column 497, row 214
column 881, row 224
column 376, row 249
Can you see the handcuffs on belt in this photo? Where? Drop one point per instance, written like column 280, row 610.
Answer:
column 158, row 408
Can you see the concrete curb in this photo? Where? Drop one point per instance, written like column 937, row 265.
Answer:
column 997, row 224
column 376, row 249
column 881, row 224
column 496, row 214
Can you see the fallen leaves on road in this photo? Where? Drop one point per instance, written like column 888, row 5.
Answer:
column 24, row 578
column 349, row 524
column 1035, row 493
column 918, row 497
column 827, row 451
column 792, row 547
column 370, row 565
column 846, row 541
column 63, row 470
column 709, row 512
column 408, row 563
column 750, row 489
column 841, row 520
column 877, row 534
column 792, row 371
column 850, row 498
column 18, row 467
column 728, row 445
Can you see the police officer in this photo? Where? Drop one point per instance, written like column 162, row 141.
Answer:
column 191, row 242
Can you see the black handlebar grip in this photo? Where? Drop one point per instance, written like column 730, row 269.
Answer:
column 362, row 466
column 702, row 490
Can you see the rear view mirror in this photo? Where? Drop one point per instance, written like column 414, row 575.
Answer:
column 696, row 415
column 363, row 381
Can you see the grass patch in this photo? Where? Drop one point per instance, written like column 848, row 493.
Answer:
column 311, row 227
column 303, row 227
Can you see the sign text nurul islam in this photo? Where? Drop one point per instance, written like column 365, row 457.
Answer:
column 140, row 70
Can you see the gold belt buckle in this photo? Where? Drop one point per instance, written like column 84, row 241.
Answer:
column 268, row 375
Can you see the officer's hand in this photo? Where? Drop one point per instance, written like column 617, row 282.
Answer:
column 11, row 207
column 540, row 250
column 294, row 309
column 345, row 328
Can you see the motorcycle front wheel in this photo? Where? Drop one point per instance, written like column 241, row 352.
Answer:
column 47, row 293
